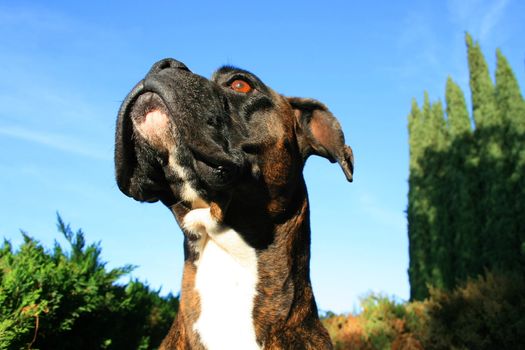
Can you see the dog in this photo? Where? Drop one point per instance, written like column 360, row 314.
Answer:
column 226, row 156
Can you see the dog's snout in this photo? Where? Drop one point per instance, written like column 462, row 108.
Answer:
column 166, row 64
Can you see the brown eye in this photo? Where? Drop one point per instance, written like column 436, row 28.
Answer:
column 241, row 86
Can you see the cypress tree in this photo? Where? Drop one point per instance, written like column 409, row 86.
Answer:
column 462, row 185
column 481, row 86
column 427, row 139
column 426, row 211
column 426, row 115
column 458, row 119
column 436, row 190
column 415, row 132
column 438, row 136
column 511, row 108
column 510, row 102
column 489, row 143
column 417, row 226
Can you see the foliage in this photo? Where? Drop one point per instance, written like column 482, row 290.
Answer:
column 383, row 324
column 483, row 313
column 57, row 299
column 466, row 210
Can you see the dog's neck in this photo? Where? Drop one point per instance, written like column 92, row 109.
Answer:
column 239, row 296
column 226, row 281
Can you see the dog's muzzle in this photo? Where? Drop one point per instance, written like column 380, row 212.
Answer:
column 182, row 121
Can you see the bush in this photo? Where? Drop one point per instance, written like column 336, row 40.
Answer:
column 346, row 332
column 382, row 324
column 57, row 299
column 483, row 313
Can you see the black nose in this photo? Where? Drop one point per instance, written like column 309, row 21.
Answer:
column 166, row 64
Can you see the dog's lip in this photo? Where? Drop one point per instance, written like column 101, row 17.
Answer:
column 211, row 160
column 223, row 169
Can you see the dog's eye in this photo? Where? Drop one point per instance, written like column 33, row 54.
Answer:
column 241, row 86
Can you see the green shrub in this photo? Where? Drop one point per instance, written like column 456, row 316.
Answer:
column 483, row 313
column 384, row 320
column 382, row 324
column 57, row 299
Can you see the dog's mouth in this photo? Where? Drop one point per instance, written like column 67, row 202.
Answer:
column 218, row 173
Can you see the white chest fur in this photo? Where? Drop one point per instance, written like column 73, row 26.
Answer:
column 226, row 282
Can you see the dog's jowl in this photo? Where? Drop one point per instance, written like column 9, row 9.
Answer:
column 226, row 156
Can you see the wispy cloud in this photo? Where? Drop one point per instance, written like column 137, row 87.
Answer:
column 53, row 140
column 44, row 96
column 480, row 17
column 386, row 216
column 492, row 17
column 419, row 48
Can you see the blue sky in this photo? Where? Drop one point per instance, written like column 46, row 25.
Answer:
column 65, row 67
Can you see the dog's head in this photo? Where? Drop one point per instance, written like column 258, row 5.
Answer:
column 182, row 138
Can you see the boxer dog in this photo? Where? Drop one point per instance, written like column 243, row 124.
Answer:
column 226, row 156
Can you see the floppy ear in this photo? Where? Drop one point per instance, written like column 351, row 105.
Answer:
column 319, row 132
column 138, row 171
